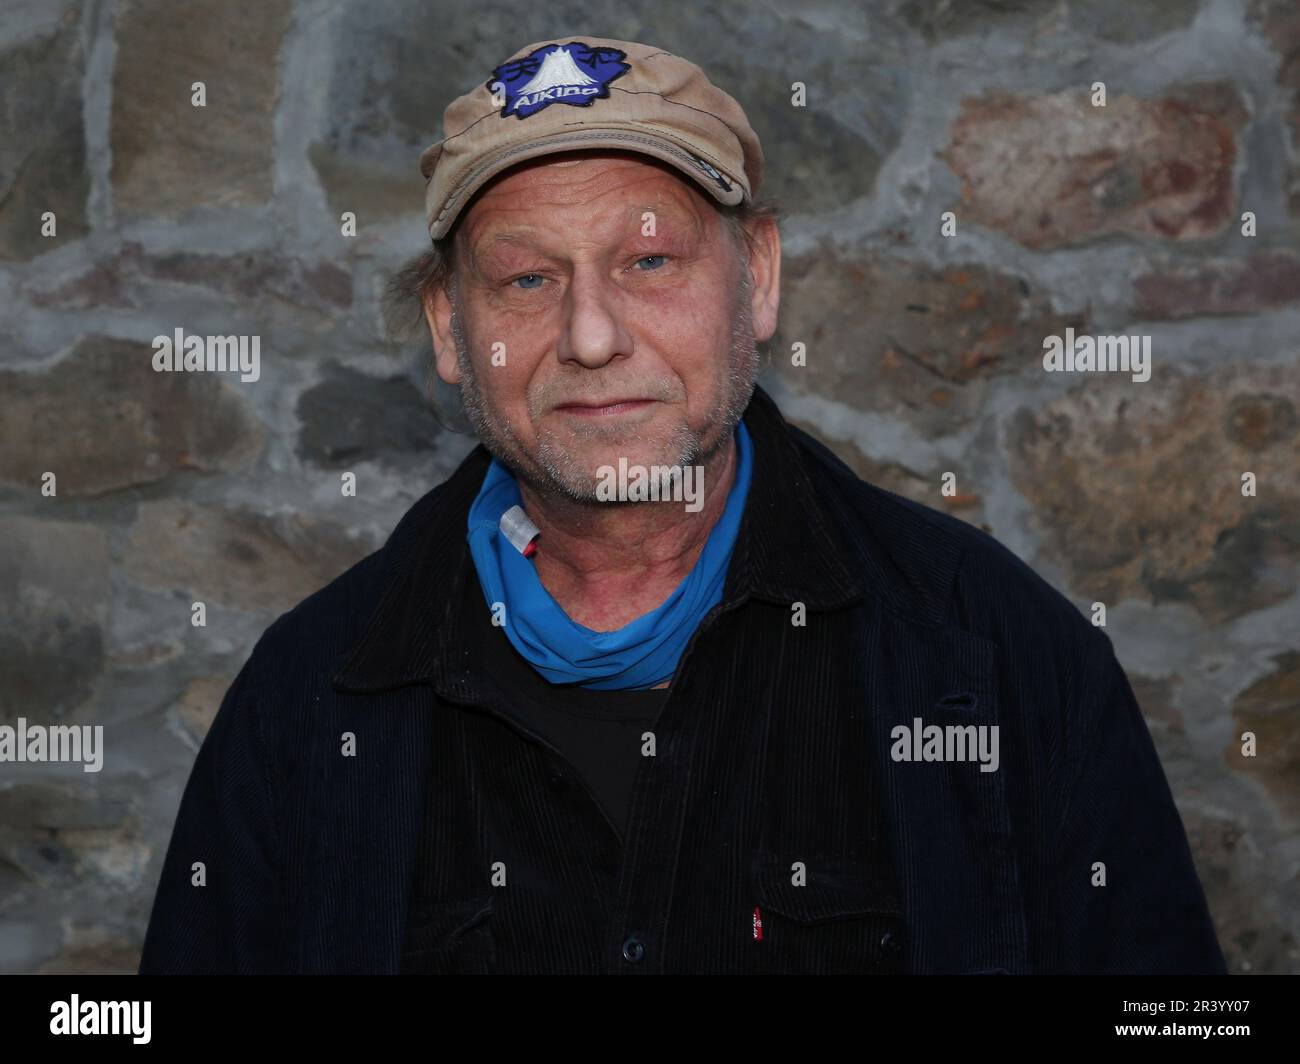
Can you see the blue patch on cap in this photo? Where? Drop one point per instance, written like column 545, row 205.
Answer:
column 573, row 73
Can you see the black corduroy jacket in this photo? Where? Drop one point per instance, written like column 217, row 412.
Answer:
column 848, row 612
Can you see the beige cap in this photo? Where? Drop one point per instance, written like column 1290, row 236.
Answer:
column 592, row 92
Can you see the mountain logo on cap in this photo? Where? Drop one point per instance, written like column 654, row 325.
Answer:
column 574, row 73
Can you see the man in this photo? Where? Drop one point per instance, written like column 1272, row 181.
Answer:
column 654, row 683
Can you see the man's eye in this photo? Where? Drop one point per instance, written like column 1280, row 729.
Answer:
column 529, row 277
column 646, row 258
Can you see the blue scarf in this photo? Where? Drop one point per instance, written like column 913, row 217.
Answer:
column 640, row 655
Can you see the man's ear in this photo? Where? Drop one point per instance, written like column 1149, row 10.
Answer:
column 765, row 268
column 437, row 312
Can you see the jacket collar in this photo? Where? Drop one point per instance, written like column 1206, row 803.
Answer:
column 791, row 547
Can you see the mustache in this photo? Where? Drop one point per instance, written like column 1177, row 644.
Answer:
column 561, row 393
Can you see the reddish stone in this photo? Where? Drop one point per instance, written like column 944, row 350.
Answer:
column 1137, row 488
column 885, row 333
column 1265, row 280
column 1051, row 171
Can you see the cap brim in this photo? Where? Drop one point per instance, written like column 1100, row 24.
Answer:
column 611, row 137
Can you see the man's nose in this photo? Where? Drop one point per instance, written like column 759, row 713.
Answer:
column 593, row 332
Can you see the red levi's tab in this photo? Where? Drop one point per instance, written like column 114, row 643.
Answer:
column 758, row 925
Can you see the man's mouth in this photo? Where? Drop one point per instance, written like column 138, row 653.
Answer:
column 604, row 407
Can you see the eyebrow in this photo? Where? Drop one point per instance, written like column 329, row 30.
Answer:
column 505, row 237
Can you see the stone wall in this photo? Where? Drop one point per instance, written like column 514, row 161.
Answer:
column 924, row 357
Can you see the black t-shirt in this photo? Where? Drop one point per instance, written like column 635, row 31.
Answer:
column 598, row 732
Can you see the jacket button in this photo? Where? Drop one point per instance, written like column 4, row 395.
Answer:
column 889, row 942
column 633, row 950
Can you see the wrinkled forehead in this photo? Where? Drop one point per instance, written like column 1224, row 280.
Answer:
column 501, row 207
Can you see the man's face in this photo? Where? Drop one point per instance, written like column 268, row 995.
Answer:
column 582, row 336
